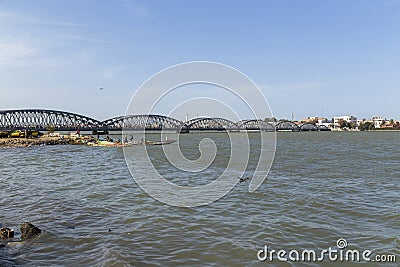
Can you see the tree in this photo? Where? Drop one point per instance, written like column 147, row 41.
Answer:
column 366, row 126
column 343, row 124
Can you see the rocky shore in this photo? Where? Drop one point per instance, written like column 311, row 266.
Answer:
column 27, row 229
column 44, row 140
column 27, row 142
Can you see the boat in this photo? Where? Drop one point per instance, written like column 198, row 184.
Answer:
column 99, row 132
column 17, row 134
column 158, row 143
column 4, row 134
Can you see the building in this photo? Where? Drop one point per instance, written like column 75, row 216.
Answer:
column 316, row 120
column 378, row 121
column 352, row 120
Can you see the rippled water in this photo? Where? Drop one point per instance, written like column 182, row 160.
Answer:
column 322, row 186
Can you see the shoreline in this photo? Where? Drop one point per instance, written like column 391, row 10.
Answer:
column 43, row 140
column 28, row 142
column 68, row 140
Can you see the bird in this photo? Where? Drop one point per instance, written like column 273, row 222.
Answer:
column 241, row 180
column 101, row 88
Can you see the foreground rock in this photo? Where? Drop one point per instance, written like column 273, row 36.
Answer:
column 6, row 233
column 45, row 140
column 29, row 231
column 23, row 142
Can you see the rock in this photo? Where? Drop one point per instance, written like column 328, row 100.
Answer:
column 6, row 233
column 29, row 231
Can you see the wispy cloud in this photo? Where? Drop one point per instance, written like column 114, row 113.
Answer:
column 110, row 72
column 30, row 41
column 16, row 53
column 12, row 17
column 136, row 8
column 76, row 37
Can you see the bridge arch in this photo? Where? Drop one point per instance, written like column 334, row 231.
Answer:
column 308, row 127
column 256, row 125
column 139, row 122
column 286, row 126
column 44, row 119
column 323, row 128
column 211, row 124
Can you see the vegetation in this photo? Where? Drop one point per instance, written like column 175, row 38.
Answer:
column 345, row 124
column 366, row 126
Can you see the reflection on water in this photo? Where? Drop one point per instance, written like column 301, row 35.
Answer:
column 322, row 186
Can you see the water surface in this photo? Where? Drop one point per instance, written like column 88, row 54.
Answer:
column 322, row 186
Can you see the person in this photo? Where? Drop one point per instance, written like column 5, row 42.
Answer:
column 78, row 132
column 126, row 139
column 131, row 138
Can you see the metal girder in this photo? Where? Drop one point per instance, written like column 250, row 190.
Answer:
column 256, row 125
column 41, row 119
column 211, row 124
column 137, row 122
column 286, row 126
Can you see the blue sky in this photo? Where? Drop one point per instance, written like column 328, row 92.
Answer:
column 309, row 57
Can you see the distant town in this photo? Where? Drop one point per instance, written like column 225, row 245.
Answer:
column 346, row 123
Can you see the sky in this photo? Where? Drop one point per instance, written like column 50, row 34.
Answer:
column 308, row 57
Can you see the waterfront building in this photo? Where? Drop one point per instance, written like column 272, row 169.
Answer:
column 316, row 120
column 378, row 121
column 351, row 120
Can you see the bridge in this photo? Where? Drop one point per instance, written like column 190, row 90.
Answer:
column 290, row 126
column 45, row 120
column 41, row 120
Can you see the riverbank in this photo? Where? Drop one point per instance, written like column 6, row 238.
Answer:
column 27, row 142
column 73, row 140
column 55, row 139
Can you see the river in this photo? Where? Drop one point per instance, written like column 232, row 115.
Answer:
column 322, row 186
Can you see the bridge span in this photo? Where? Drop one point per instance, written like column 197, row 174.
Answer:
column 45, row 120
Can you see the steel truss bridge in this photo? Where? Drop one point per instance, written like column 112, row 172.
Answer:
column 43, row 120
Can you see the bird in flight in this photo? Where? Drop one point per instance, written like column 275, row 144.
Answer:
column 101, row 88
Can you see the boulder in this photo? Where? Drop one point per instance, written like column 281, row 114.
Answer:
column 29, row 231
column 6, row 233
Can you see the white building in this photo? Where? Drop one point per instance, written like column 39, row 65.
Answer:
column 378, row 121
column 347, row 118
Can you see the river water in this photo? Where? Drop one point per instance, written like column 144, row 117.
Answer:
column 322, row 186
